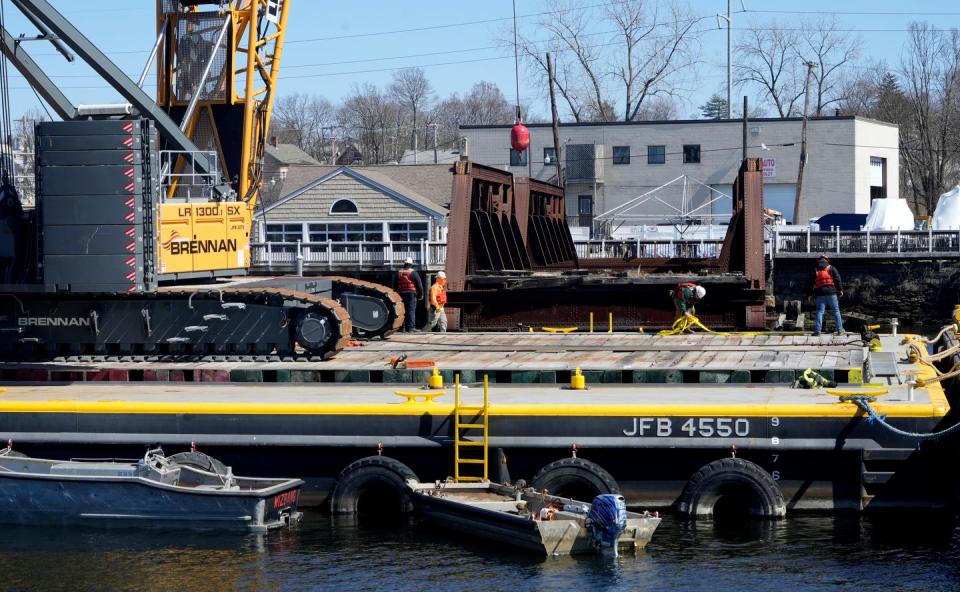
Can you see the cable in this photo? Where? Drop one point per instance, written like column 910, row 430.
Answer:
column 516, row 59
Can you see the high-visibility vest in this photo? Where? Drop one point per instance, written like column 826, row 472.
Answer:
column 405, row 281
column 823, row 278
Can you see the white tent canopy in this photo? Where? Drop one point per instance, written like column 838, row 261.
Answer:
column 947, row 214
column 890, row 213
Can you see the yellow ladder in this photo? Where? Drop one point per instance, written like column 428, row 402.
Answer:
column 467, row 418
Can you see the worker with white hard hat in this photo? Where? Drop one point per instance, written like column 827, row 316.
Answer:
column 685, row 297
column 410, row 287
column 438, row 299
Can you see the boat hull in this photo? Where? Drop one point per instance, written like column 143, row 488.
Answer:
column 566, row 534
column 129, row 500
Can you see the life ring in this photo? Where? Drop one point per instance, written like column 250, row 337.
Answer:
column 575, row 478
column 379, row 480
column 734, row 481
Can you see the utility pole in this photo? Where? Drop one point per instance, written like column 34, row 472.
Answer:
column 803, row 142
column 415, row 147
column 436, row 159
column 551, row 74
column 729, row 19
column 745, row 121
column 333, row 142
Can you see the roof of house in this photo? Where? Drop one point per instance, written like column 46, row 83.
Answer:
column 289, row 154
column 426, row 156
column 426, row 186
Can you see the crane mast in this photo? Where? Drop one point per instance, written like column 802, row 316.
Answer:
column 238, row 45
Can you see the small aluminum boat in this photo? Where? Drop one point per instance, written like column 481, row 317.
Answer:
column 527, row 519
column 189, row 489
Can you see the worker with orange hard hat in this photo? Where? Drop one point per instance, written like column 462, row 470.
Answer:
column 438, row 299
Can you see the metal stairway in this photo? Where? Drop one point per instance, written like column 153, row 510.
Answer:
column 467, row 420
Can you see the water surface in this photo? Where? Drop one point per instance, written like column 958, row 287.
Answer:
column 897, row 552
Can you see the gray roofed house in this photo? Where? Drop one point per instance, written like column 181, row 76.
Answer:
column 277, row 161
column 365, row 205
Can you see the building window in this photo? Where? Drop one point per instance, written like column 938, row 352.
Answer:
column 353, row 232
column 621, row 155
column 284, row 233
column 518, row 158
column 656, row 154
column 878, row 177
column 408, row 231
column 344, row 207
column 549, row 156
column 691, row 153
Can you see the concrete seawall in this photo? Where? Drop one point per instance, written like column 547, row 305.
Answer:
column 917, row 292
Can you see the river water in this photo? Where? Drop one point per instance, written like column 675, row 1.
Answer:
column 895, row 552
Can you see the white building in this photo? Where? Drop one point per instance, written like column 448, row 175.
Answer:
column 850, row 161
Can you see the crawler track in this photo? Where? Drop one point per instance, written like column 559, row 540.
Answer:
column 173, row 324
column 389, row 297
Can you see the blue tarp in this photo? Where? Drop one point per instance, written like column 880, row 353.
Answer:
column 843, row 221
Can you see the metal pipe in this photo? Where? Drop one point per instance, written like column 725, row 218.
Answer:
column 153, row 53
column 44, row 31
column 188, row 114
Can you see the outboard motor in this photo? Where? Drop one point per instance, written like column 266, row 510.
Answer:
column 606, row 521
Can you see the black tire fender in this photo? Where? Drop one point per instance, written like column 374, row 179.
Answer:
column 732, row 476
column 576, row 473
column 199, row 460
column 359, row 475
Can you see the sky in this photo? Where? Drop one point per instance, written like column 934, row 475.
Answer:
column 332, row 46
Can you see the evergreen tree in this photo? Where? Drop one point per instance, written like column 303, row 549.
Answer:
column 714, row 108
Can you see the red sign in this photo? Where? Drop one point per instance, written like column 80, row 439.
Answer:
column 285, row 499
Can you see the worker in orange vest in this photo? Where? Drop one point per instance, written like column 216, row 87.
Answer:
column 827, row 289
column 410, row 287
column 438, row 299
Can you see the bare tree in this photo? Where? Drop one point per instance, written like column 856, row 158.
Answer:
column 365, row 116
column 831, row 51
column 659, row 108
column 486, row 104
column 301, row 119
column 567, row 80
column 24, row 141
column 655, row 50
column 411, row 89
column 930, row 147
column 769, row 61
column 646, row 56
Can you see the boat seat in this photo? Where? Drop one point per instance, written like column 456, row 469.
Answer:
column 94, row 469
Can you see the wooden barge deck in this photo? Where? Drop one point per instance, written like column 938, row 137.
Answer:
column 650, row 437
column 543, row 358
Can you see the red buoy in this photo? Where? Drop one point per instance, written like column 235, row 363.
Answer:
column 519, row 137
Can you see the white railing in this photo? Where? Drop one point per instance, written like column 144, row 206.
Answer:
column 348, row 254
column 866, row 243
column 646, row 248
column 433, row 255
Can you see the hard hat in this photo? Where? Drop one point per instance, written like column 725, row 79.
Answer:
column 700, row 291
column 441, row 274
column 824, row 257
column 408, row 261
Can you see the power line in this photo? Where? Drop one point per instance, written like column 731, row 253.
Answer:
column 856, row 13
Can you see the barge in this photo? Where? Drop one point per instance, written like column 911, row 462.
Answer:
column 717, row 424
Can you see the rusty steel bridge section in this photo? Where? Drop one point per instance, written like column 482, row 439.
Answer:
column 511, row 262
